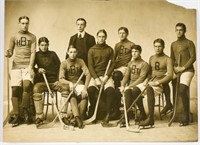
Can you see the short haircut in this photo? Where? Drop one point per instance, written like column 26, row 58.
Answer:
column 23, row 17
column 72, row 46
column 102, row 31
column 43, row 39
column 181, row 25
column 137, row 47
column 124, row 28
column 81, row 19
column 159, row 40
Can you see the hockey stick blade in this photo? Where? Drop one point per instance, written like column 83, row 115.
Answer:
column 47, row 125
column 135, row 130
column 88, row 121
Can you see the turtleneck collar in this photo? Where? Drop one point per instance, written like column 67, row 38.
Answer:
column 23, row 32
column 137, row 59
column 46, row 52
column 161, row 54
column 71, row 60
column 181, row 38
column 125, row 40
column 101, row 45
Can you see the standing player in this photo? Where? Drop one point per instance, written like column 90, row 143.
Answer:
column 162, row 68
column 122, row 56
column 98, row 58
column 23, row 45
column 82, row 40
column 136, row 73
column 186, row 49
column 70, row 71
column 47, row 62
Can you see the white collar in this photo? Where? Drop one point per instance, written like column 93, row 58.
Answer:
column 82, row 34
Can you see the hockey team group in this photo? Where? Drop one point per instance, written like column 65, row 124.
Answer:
column 97, row 80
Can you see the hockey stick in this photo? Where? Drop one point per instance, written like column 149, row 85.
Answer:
column 97, row 103
column 52, row 123
column 176, row 95
column 134, row 102
column 8, row 96
column 136, row 130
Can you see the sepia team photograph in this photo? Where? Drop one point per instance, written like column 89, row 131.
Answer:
column 99, row 72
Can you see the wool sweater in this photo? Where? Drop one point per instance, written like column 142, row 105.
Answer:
column 186, row 49
column 161, row 66
column 122, row 53
column 136, row 72
column 50, row 62
column 71, row 70
column 98, row 58
column 24, row 44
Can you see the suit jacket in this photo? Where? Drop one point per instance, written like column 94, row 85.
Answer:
column 89, row 41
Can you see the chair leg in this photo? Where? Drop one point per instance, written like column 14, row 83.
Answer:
column 47, row 104
column 159, row 105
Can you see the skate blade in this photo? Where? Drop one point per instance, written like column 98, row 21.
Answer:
column 109, row 125
column 122, row 125
column 168, row 112
column 147, row 127
column 68, row 127
column 39, row 125
column 15, row 125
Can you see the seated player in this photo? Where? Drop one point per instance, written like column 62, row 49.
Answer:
column 162, row 69
column 135, row 74
column 47, row 62
column 70, row 71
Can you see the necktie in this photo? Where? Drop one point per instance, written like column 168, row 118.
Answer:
column 79, row 36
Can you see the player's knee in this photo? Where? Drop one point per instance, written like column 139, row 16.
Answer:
column 65, row 94
column 37, row 89
column 92, row 90
column 117, row 76
column 27, row 86
column 37, row 96
column 150, row 90
column 182, row 89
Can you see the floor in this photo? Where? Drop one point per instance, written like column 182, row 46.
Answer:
column 97, row 134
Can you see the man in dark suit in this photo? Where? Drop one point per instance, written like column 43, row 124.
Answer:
column 82, row 40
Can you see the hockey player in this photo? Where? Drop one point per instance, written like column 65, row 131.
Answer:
column 70, row 71
column 23, row 46
column 47, row 62
column 122, row 56
column 135, row 74
column 186, row 49
column 98, row 58
column 162, row 68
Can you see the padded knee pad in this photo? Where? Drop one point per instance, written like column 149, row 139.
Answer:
column 37, row 96
column 117, row 76
column 65, row 94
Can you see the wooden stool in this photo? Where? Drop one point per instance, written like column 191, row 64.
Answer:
column 47, row 103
